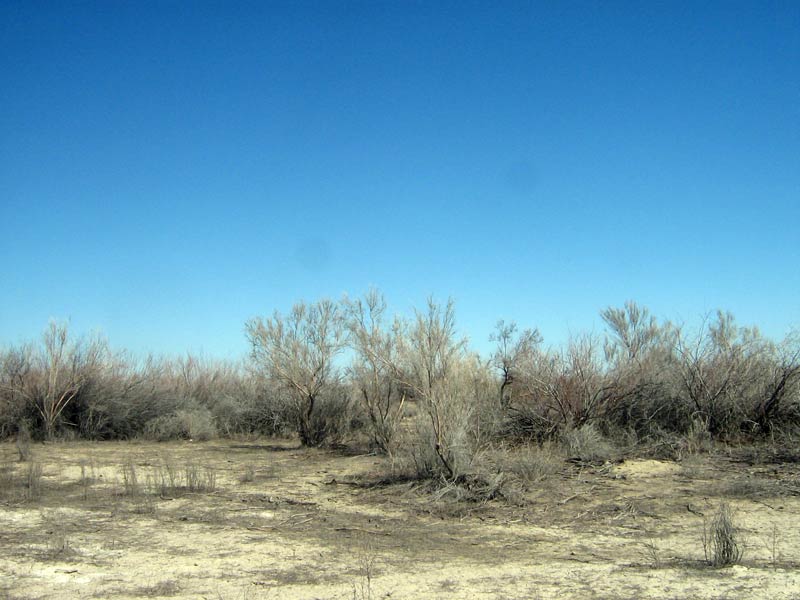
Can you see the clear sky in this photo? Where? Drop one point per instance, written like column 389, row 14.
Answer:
column 170, row 169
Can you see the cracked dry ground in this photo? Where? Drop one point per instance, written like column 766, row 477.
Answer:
column 284, row 522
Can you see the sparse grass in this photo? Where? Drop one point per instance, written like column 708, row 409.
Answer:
column 167, row 587
column 21, row 483
column 59, row 545
column 349, row 527
column 167, row 481
column 197, row 481
column 755, row 487
column 130, row 479
column 87, row 478
column 365, row 555
column 533, row 464
column 772, row 547
column 7, row 480
column 23, row 442
column 33, row 481
column 652, row 553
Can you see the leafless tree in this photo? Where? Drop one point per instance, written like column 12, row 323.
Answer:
column 781, row 377
column 431, row 355
column 633, row 333
column 515, row 351
column 16, row 364
column 717, row 369
column 297, row 351
column 641, row 365
column 374, row 371
column 51, row 379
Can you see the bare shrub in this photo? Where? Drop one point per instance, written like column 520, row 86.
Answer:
column 199, row 481
column 698, row 438
column 779, row 401
column 130, row 479
column 7, row 480
column 587, row 444
column 23, row 442
column 297, row 352
column 59, row 544
column 249, row 474
column 563, row 390
column 190, row 423
column 15, row 403
column 367, row 562
column 641, row 368
column 515, row 350
column 373, row 372
column 533, row 464
column 51, row 377
column 88, row 477
column 721, row 545
column 432, row 366
column 719, row 372
column 32, row 485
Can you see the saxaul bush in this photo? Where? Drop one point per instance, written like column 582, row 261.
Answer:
column 297, row 352
column 374, row 373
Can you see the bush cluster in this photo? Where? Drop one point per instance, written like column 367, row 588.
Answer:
column 412, row 388
column 67, row 387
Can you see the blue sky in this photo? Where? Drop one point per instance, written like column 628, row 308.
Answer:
column 170, row 169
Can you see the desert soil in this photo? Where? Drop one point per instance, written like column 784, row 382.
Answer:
column 286, row 522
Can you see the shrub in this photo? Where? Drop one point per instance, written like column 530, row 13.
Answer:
column 721, row 545
column 373, row 372
column 587, row 444
column 533, row 464
column 190, row 423
column 297, row 353
column 332, row 419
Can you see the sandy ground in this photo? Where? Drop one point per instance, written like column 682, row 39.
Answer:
column 284, row 522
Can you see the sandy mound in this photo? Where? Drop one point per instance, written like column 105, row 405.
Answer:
column 646, row 468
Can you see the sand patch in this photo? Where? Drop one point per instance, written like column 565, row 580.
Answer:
column 642, row 469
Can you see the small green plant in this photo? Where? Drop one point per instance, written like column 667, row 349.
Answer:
column 721, row 544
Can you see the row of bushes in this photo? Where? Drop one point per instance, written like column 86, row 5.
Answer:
column 644, row 379
column 413, row 386
column 66, row 387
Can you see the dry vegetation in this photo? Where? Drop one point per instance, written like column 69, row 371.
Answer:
column 101, row 520
column 653, row 461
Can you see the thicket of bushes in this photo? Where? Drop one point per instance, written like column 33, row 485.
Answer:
column 330, row 371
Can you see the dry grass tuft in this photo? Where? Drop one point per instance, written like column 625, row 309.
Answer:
column 721, row 544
